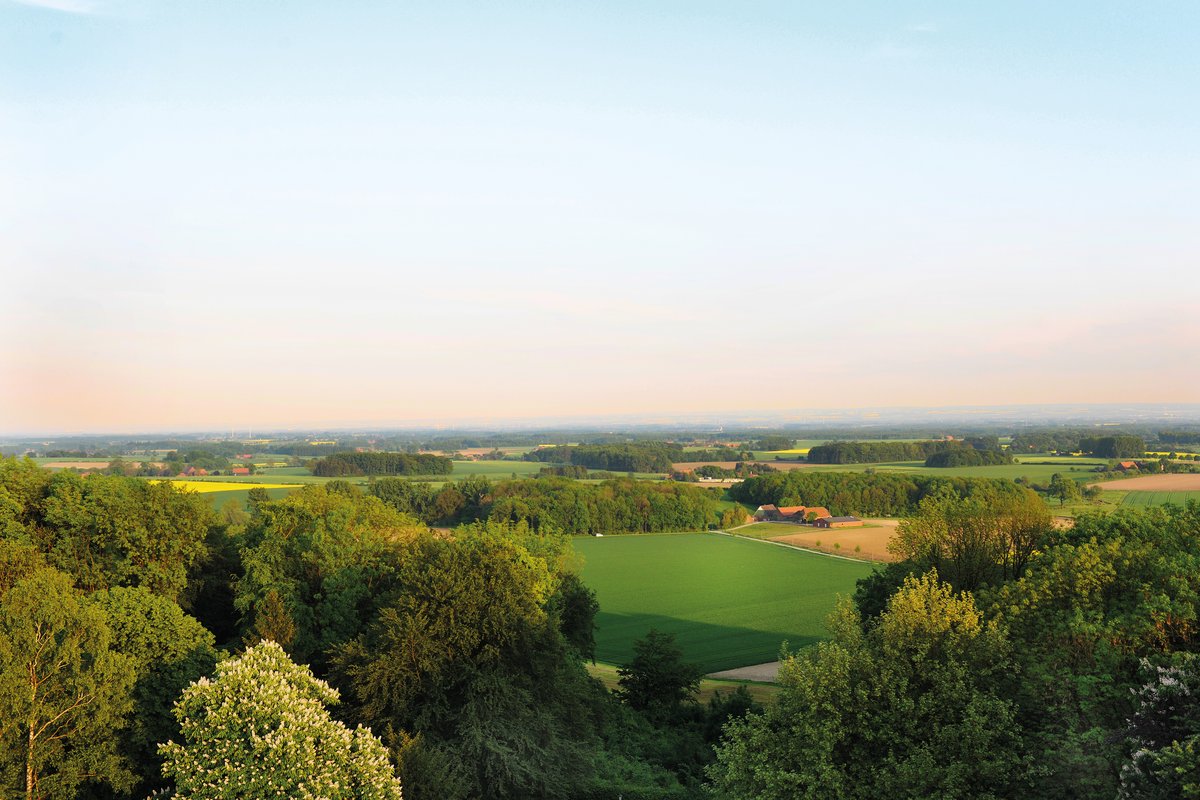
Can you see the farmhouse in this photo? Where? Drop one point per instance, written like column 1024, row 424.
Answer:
column 240, row 471
column 795, row 513
column 838, row 522
column 767, row 512
column 1125, row 466
column 816, row 512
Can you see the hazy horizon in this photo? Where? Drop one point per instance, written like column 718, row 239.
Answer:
column 317, row 215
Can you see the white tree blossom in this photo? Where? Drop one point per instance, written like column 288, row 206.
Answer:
column 260, row 729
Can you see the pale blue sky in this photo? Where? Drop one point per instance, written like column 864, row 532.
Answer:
column 227, row 210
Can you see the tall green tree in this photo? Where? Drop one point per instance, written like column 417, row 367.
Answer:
column 318, row 564
column 470, row 657
column 64, row 691
column 908, row 708
column 658, row 681
column 261, row 729
column 168, row 650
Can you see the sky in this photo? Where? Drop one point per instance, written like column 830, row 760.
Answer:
column 233, row 214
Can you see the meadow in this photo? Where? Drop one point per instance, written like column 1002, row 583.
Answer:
column 729, row 601
column 1146, row 499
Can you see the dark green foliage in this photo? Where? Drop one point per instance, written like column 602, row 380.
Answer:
column 1122, row 446
column 341, row 465
column 318, row 563
column 1163, row 737
column 574, row 606
column 968, row 457
column 104, row 530
column 636, row 457
column 773, row 443
column 468, row 656
column 872, row 452
column 617, row 506
column 168, row 650
column 658, row 682
column 559, row 505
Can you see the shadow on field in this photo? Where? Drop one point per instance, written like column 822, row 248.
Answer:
column 709, row 646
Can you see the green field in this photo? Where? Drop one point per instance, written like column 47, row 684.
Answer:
column 1145, row 499
column 219, row 499
column 730, row 602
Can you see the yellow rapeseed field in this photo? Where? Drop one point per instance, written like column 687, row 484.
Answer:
column 203, row 487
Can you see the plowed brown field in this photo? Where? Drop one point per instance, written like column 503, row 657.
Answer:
column 1155, row 483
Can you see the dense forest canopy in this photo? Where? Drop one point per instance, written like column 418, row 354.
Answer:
column 342, row 465
column 636, row 457
column 865, row 494
column 560, row 505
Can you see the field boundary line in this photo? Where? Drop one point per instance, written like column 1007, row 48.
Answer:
column 801, row 549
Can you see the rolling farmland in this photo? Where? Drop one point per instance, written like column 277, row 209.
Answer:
column 730, row 602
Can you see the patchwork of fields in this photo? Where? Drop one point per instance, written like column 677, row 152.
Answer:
column 729, row 601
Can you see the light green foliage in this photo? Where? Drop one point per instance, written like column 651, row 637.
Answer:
column 972, row 541
column 1065, row 489
column 64, row 692
column 103, row 530
column 260, row 729
column 168, row 650
column 906, row 709
column 728, row 601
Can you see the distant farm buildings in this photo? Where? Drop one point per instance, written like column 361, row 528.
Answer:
column 838, row 522
column 813, row 515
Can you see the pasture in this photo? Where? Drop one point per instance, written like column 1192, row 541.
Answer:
column 729, row 601
column 1147, row 499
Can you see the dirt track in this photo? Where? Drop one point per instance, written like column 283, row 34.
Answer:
column 764, row 673
column 1155, row 483
column 871, row 541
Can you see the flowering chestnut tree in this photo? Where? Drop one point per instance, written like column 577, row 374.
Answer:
column 261, row 729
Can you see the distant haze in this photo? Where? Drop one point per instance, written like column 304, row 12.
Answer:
column 230, row 214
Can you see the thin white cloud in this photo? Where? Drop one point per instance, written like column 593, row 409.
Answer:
column 924, row 27
column 65, row 6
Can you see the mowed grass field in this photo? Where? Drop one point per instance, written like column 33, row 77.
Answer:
column 1146, row 499
column 730, row 602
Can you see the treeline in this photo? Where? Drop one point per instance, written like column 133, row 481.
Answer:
column 865, row 494
column 633, row 457
column 149, row 646
column 873, row 452
column 741, row 469
column 1179, row 437
column 1000, row 657
column 717, row 454
column 1122, row 446
column 342, row 465
column 876, row 452
column 967, row 457
column 558, row 505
